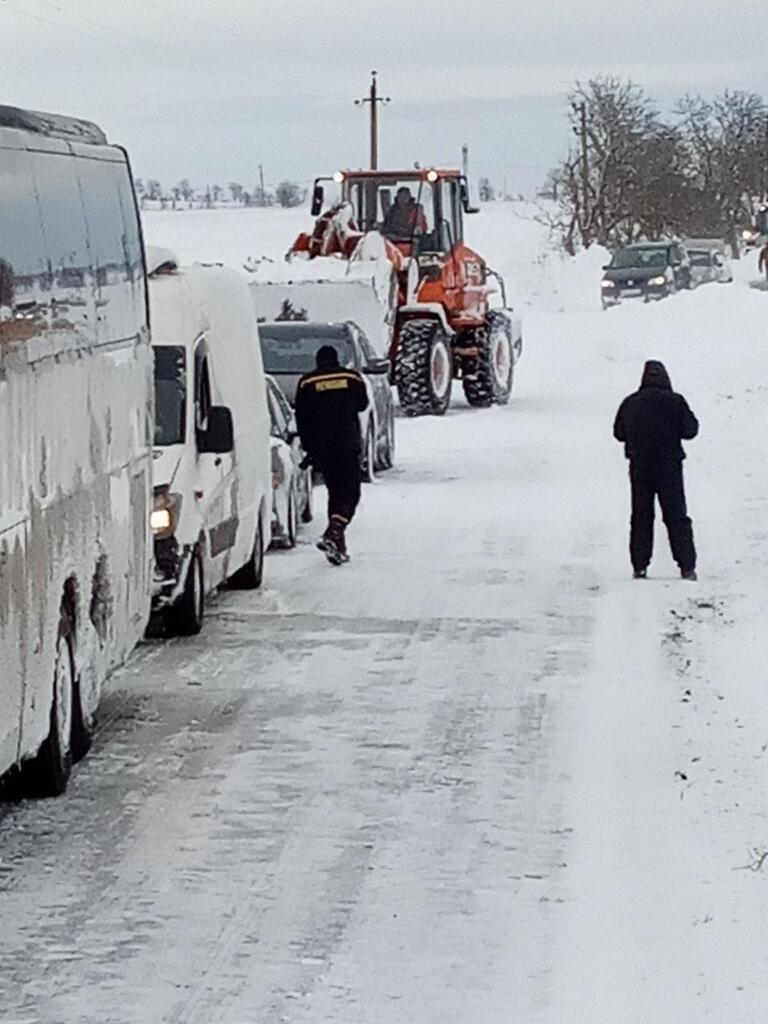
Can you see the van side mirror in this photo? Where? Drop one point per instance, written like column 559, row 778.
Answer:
column 377, row 366
column 318, row 194
column 219, row 438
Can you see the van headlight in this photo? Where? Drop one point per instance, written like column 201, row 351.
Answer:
column 658, row 280
column 165, row 515
column 606, row 283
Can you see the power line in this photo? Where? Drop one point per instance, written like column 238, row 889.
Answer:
column 198, row 67
column 209, row 24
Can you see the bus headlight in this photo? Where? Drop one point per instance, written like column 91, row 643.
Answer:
column 165, row 514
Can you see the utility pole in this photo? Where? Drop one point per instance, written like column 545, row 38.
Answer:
column 374, row 100
column 261, row 185
column 580, row 109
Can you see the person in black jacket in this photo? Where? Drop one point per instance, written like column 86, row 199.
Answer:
column 328, row 403
column 651, row 423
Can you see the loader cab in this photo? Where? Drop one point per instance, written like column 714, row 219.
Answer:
column 419, row 211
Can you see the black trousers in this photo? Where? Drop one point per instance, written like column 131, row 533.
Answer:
column 342, row 479
column 665, row 482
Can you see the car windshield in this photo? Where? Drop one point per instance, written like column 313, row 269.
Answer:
column 700, row 259
column 292, row 349
column 170, row 395
column 644, row 257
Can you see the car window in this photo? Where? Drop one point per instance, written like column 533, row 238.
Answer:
column 652, row 256
column 279, row 423
column 283, row 403
column 292, row 348
column 700, row 259
column 369, row 355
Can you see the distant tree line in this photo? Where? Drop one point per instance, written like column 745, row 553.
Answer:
column 184, row 196
column 633, row 174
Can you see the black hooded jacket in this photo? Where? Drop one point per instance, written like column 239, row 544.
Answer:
column 652, row 422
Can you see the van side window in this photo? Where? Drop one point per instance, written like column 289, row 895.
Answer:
column 203, row 400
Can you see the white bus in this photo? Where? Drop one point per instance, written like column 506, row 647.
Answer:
column 75, row 436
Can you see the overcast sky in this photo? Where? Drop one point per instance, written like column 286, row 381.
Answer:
column 209, row 89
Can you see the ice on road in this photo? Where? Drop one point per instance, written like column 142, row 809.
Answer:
column 479, row 774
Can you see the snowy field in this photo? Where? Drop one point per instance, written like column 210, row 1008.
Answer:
column 480, row 775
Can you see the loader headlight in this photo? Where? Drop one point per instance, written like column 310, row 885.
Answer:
column 658, row 280
column 164, row 517
column 338, row 177
column 432, row 176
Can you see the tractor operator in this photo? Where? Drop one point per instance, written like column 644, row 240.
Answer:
column 404, row 217
column 328, row 403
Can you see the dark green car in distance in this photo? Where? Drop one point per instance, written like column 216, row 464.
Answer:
column 646, row 270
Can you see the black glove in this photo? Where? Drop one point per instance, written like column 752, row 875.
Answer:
column 306, row 462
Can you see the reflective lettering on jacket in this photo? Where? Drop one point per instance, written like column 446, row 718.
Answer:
column 334, row 384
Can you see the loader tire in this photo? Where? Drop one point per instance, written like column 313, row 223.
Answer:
column 489, row 381
column 423, row 369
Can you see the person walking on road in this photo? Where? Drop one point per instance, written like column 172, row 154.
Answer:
column 651, row 424
column 328, row 403
column 762, row 261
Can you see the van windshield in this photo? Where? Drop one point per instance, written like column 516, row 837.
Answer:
column 170, row 395
column 293, row 349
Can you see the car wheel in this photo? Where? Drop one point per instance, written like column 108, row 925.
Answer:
column 388, row 459
column 292, row 524
column 307, row 513
column 368, row 465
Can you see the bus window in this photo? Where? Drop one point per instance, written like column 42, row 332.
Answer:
column 68, row 278
column 22, row 252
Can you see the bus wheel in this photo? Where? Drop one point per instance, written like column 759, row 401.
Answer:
column 48, row 773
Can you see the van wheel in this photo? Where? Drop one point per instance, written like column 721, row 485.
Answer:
column 48, row 773
column 292, row 525
column 251, row 575
column 185, row 617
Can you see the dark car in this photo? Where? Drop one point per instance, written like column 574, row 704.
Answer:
column 647, row 270
column 288, row 349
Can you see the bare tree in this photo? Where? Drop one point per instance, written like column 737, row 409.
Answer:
column 727, row 142
column 236, row 191
column 289, row 194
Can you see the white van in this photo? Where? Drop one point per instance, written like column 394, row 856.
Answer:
column 75, row 436
column 213, row 486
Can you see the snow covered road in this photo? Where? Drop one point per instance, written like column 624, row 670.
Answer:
column 479, row 774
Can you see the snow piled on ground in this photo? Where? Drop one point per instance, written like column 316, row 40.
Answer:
column 664, row 741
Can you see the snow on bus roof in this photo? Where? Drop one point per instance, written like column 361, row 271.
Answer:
column 52, row 125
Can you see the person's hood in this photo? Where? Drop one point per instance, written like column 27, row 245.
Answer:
column 655, row 376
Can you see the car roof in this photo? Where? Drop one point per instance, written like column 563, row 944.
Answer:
column 316, row 328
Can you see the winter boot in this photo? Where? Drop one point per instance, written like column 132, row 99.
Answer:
column 640, row 574
column 688, row 574
column 333, row 543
